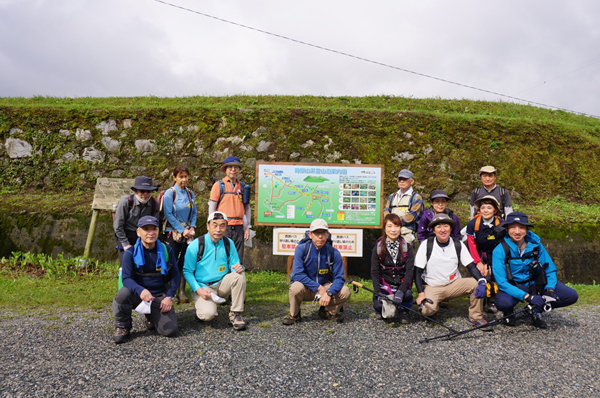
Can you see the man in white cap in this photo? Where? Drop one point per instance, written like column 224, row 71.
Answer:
column 407, row 203
column 488, row 175
column 213, row 270
column 318, row 274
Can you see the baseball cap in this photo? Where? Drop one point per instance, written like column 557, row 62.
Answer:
column 405, row 173
column 216, row 215
column 147, row 220
column 319, row 223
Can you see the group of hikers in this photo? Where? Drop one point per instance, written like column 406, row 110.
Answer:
column 506, row 261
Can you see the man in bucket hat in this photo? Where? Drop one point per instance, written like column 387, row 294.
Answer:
column 129, row 211
column 232, row 197
column 525, row 272
column 437, row 276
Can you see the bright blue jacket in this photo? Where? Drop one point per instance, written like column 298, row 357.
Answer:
column 315, row 271
column 520, row 267
column 180, row 213
column 214, row 264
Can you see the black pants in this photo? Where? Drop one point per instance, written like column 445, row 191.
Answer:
column 125, row 301
column 236, row 234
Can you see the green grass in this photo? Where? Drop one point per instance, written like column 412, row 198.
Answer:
column 94, row 290
column 466, row 108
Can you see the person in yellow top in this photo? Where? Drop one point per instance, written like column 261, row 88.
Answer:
column 232, row 197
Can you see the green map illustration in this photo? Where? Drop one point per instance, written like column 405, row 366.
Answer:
column 289, row 194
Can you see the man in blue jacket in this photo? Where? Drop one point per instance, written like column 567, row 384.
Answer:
column 149, row 274
column 317, row 274
column 525, row 272
column 213, row 270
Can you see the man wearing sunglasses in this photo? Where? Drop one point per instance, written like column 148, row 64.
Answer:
column 129, row 211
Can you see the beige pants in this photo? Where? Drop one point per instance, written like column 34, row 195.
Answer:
column 233, row 284
column 459, row 288
column 300, row 293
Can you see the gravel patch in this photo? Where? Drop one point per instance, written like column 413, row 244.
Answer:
column 72, row 354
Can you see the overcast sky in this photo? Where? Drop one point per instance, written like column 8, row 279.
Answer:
column 538, row 50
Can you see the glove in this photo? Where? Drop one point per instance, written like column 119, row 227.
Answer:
column 398, row 297
column 550, row 293
column 537, row 302
column 480, row 291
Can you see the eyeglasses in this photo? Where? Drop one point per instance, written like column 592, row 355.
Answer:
column 144, row 191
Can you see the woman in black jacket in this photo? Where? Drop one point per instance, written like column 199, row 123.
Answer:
column 392, row 264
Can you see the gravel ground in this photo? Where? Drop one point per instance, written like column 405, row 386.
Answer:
column 61, row 354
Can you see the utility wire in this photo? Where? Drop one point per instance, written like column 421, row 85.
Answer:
column 557, row 77
column 371, row 61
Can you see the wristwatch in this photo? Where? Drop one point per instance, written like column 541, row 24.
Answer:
column 329, row 293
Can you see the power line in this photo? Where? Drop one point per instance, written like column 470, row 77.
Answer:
column 557, row 77
column 371, row 61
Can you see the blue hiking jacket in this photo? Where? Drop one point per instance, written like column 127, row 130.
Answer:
column 520, row 267
column 315, row 271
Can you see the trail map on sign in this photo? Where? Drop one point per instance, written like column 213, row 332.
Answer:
column 344, row 194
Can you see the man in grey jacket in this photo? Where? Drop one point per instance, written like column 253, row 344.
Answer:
column 129, row 211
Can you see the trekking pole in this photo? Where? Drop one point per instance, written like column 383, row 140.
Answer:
column 386, row 298
column 495, row 322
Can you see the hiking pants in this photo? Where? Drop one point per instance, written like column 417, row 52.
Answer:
column 233, row 284
column 566, row 296
column 236, row 234
column 459, row 288
column 125, row 301
column 300, row 293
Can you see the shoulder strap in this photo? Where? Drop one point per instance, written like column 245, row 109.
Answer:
column 130, row 202
column 457, row 247
column 429, row 247
column 478, row 218
column 507, row 259
column 222, row 190
column 201, row 247
column 227, row 248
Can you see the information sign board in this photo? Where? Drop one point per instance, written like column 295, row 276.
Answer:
column 297, row 193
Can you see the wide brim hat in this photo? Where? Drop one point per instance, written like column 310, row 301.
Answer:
column 490, row 198
column 143, row 183
column 231, row 161
column 516, row 217
column 441, row 218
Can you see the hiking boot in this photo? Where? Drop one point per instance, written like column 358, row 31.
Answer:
column 538, row 322
column 491, row 308
column 236, row 320
column 290, row 319
column 327, row 316
column 149, row 324
column 481, row 322
column 121, row 335
column 323, row 313
column 445, row 303
column 404, row 318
